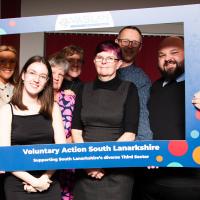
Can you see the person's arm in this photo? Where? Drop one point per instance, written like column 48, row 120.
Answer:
column 131, row 115
column 58, row 127
column 77, row 126
column 77, row 136
column 144, row 131
column 127, row 136
column 40, row 184
column 196, row 100
column 5, row 124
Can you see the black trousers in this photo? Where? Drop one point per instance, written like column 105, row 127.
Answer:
column 2, row 196
column 167, row 184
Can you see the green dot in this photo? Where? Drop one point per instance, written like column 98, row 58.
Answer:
column 174, row 164
column 2, row 31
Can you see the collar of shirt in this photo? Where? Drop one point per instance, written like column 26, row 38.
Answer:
column 178, row 79
column 4, row 86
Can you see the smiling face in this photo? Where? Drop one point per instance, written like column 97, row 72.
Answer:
column 130, row 42
column 35, row 78
column 75, row 66
column 106, row 63
column 8, row 62
column 58, row 76
column 171, row 57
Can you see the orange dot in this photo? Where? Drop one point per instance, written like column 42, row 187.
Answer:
column 196, row 155
column 159, row 158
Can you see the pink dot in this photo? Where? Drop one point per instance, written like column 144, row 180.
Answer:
column 178, row 148
column 12, row 23
column 197, row 114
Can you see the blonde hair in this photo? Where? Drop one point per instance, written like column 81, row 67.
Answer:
column 8, row 48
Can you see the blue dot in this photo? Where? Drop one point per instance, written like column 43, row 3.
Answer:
column 194, row 134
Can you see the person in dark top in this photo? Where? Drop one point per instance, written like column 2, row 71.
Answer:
column 74, row 55
column 167, row 121
column 106, row 109
column 130, row 42
column 32, row 117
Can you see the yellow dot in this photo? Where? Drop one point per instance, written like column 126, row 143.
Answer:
column 159, row 158
column 196, row 155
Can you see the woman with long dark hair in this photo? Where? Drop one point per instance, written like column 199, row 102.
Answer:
column 32, row 117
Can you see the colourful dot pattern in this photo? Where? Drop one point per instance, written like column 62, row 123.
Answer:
column 159, row 158
column 174, row 164
column 196, row 155
column 197, row 114
column 178, row 148
column 11, row 23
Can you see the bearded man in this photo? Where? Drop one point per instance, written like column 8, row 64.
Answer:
column 167, row 121
column 167, row 96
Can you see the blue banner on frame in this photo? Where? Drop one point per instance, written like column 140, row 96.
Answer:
column 104, row 155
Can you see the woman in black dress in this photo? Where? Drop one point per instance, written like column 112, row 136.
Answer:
column 106, row 110
column 32, row 117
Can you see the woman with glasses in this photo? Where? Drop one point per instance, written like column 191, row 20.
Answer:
column 106, row 109
column 8, row 72
column 32, row 117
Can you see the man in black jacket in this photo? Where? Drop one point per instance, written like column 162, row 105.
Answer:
column 167, row 121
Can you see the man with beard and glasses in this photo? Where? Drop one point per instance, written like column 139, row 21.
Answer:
column 130, row 42
column 167, row 121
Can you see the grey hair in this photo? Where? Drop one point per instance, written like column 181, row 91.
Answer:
column 58, row 61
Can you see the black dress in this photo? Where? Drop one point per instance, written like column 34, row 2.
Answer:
column 28, row 130
column 104, row 111
column 73, row 85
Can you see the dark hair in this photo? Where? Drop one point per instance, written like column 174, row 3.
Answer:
column 132, row 28
column 14, row 77
column 71, row 50
column 109, row 45
column 45, row 96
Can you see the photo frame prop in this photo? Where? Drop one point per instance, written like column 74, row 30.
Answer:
column 184, row 153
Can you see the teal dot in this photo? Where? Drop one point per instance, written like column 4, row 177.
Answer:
column 174, row 164
column 2, row 31
column 194, row 134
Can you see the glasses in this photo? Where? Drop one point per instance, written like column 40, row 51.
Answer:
column 8, row 62
column 126, row 43
column 75, row 61
column 107, row 59
column 42, row 77
column 58, row 75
